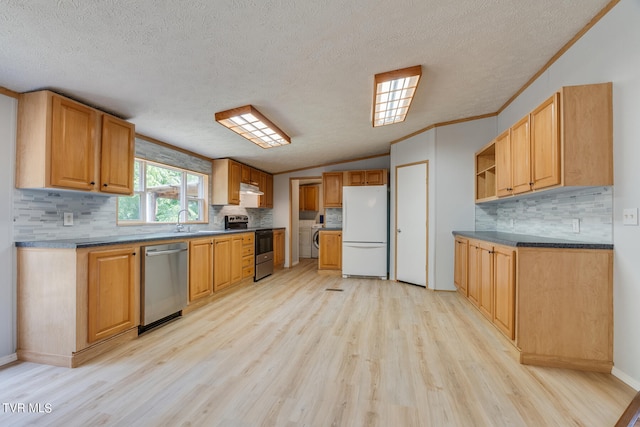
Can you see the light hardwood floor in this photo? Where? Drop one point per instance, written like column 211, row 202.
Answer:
column 287, row 352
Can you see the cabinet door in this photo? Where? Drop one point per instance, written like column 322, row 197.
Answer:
column 112, row 292
column 485, row 275
column 332, row 189
column 73, row 145
column 460, row 264
column 310, row 197
column 521, row 157
column 356, row 178
column 278, row 248
column 504, row 290
column 200, row 268
column 116, row 165
column 330, row 252
column 473, row 282
column 221, row 263
column 236, row 258
column 245, row 176
column 504, row 185
column 235, row 174
column 255, row 176
column 545, row 144
column 268, row 192
column 376, row 177
column 262, row 185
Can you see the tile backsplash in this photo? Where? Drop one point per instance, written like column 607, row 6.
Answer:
column 333, row 218
column 551, row 214
column 38, row 213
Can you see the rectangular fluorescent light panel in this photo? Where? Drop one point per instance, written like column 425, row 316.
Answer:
column 249, row 123
column 393, row 94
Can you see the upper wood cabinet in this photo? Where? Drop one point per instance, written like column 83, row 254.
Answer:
column 566, row 141
column 504, row 184
column 64, row 144
column 116, row 167
column 365, row 177
column 486, row 173
column 309, row 199
column 332, row 189
column 268, row 191
column 226, row 177
column 246, row 174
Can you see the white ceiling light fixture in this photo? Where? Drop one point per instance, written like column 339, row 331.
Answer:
column 249, row 123
column 393, row 93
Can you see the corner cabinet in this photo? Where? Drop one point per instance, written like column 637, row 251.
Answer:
column 567, row 141
column 74, row 304
column 64, row 144
column 330, row 252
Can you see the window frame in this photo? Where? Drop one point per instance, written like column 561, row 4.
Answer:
column 142, row 192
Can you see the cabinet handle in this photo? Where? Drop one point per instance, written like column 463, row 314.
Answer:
column 509, row 189
column 134, row 254
column 105, row 185
column 531, row 184
column 92, row 183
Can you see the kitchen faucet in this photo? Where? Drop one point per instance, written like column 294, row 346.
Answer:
column 179, row 226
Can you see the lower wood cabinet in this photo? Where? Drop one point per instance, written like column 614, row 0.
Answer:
column 112, row 292
column 278, row 248
column 460, row 275
column 74, row 304
column 561, row 313
column 232, row 256
column 221, row 262
column 200, row 268
column 330, row 250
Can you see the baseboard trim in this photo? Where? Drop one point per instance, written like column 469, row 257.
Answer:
column 5, row 360
column 625, row 379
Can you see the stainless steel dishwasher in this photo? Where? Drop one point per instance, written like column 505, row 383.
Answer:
column 163, row 290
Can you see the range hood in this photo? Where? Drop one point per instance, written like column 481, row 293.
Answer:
column 250, row 189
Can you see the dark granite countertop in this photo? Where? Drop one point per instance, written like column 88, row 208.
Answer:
column 527, row 241
column 89, row 242
column 331, row 229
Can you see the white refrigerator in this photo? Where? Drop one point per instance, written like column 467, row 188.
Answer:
column 364, row 231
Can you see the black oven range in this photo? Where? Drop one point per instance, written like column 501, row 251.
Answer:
column 263, row 244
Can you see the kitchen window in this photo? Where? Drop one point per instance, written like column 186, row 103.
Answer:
column 161, row 192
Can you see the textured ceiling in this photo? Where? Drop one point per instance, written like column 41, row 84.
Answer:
column 168, row 66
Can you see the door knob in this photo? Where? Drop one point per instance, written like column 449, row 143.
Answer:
column 399, row 231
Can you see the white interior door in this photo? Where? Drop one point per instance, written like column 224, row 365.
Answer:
column 411, row 224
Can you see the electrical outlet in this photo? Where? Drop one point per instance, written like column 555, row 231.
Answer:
column 67, row 219
column 630, row 216
column 576, row 225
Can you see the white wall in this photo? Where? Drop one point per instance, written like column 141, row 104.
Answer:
column 450, row 151
column 281, row 210
column 8, row 122
column 454, row 205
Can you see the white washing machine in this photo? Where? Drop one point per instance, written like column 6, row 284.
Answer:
column 315, row 239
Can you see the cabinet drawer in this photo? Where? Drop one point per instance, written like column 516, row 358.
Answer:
column 247, row 250
column 247, row 272
column 248, row 239
column 247, row 261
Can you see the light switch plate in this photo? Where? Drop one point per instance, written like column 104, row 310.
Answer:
column 576, row 225
column 67, row 219
column 630, row 216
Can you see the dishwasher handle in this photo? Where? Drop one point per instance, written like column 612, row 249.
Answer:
column 168, row 252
